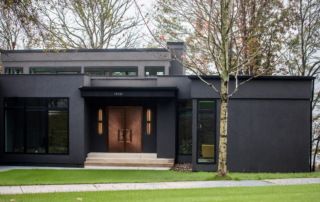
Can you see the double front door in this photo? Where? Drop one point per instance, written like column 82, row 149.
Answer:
column 124, row 129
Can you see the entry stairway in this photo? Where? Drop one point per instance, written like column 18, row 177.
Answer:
column 124, row 160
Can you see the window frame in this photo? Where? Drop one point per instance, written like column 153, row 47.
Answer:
column 207, row 111
column 14, row 68
column 184, row 110
column 123, row 67
column 97, row 69
column 24, row 108
column 145, row 72
column 56, row 69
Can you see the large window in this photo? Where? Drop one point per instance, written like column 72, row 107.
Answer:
column 13, row 70
column 97, row 70
column 124, row 71
column 111, row 71
column 36, row 125
column 206, row 134
column 154, row 71
column 185, row 126
column 55, row 70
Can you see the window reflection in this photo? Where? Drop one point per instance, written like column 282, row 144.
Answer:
column 13, row 70
column 58, row 131
column 14, row 133
column 206, row 137
column 36, row 140
column 154, row 71
column 128, row 71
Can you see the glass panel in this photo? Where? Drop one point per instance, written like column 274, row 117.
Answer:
column 13, row 71
column 92, row 73
column 96, row 71
column 36, row 141
column 58, row 102
column 206, row 138
column 36, row 102
column 185, row 103
column 14, row 137
column 58, row 131
column 154, row 71
column 14, row 102
column 124, row 71
column 206, row 104
column 41, row 70
column 107, row 73
column 185, row 132
column 68, row 70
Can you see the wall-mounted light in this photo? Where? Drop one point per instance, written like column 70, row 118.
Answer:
column 148, row 122
column 100, row 122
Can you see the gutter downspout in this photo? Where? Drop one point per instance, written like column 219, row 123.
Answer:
column 312, row 88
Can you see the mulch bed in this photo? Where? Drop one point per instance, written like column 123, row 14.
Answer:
column 186, row 167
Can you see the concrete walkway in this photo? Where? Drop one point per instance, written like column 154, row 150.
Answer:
column 151, row 186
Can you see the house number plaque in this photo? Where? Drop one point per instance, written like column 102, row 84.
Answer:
column 118, row 94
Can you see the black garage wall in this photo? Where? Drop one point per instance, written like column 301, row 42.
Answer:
column 269, row 135
column 268, row 125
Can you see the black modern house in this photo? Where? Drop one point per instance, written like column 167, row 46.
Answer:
column 138, row 108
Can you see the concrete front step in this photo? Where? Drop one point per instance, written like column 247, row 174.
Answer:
column 123, row 155
column 167, row 165
column 129, row 160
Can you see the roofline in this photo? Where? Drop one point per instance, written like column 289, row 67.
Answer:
column 88, row 50
column 102, row 88
column 257, row 78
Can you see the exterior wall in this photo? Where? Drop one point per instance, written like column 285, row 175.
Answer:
column 257, row 88
column 124, row 82
column 269, row 135
column 166, row 128
column 183, row 83
column 48, row 86
column 179, row 49
column 88, row 58
column 268, row 126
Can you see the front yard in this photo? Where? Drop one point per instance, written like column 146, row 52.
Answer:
column 267, row 193
column 54, row 176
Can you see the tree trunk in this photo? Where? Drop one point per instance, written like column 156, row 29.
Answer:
column 222, row 166
column 314, row 156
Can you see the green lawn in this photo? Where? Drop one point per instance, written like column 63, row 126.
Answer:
column 268, row 193
column 44, row 176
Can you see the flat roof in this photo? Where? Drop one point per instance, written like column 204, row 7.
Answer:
column 88, row 50
column 257, row 78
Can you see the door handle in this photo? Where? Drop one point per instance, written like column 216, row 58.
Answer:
column 128, row 135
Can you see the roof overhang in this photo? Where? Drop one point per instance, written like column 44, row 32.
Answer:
column 128, row 91
column 216, row 77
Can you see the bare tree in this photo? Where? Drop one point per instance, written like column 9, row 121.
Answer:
column 19, row 23
column 315, row 141
column 303, row 57
column 90, row 24
column 10, row 29
column 214, row 45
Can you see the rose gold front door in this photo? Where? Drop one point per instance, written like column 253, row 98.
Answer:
column 124, row 129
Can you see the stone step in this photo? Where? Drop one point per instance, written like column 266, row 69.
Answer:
column 123, row 155
column 129, row 160
column 167, row 165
